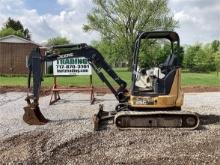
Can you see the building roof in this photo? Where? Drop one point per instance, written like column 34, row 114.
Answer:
column 16, row 39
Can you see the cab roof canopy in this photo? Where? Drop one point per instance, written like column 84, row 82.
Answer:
column 170, row 35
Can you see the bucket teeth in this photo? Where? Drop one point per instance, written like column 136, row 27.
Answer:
column 33, row 116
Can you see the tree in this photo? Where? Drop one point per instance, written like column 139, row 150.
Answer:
column 16, row 28
column 190, row 53
column 110, row 51
column 9, row 31
column 215, row 45
column 217, row 61
column 200, row 61
column 154, row 53
column 106, row 50
column 57, row 41
column 199, row 58
column 119, row 21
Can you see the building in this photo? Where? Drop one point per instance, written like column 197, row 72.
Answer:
column 14, row 52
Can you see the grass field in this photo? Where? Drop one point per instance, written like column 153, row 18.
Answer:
column 188, row 79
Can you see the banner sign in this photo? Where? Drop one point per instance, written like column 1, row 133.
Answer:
column 72, row 66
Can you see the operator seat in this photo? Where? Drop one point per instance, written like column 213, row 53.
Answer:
column 170, row 63
column 169, row 69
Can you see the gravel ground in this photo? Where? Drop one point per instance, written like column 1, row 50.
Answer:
column 69, row 138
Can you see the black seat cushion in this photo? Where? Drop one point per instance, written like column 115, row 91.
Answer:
column 165, row 84
column 170, row 63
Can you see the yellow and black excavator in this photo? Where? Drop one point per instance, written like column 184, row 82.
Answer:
column 153, row 101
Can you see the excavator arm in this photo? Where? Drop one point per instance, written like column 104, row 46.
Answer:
column 32, row 111
column 98, row 64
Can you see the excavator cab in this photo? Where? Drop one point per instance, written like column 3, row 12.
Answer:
column 156, row 96
column 156, row 80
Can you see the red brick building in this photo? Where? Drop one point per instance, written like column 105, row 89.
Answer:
column 14, row 52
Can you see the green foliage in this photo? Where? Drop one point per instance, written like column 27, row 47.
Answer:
column 200, row 58
column 13, row 27
column 50, row 69
column 9, row 31
column 150, row 54
column 119, row 21
column 11, row 23
column 154, row 53
column 215, row 45
column 57, row 41
column 111, row 53
column 217, row 61
column 181, row 55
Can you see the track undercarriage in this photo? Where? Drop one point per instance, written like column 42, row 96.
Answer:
column 129, row 119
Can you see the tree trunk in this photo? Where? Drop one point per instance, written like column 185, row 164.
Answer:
column 130, row 60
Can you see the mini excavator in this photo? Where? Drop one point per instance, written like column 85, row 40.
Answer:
column 153, row 101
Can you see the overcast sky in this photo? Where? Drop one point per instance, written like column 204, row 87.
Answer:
column 199, row 20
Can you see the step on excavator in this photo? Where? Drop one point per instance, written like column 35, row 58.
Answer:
column 153, row 101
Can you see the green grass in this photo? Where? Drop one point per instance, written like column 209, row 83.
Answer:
column 64, row 80
column 188, row 79
column 200, row 79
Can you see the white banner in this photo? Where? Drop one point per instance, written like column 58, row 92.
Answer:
column 72, row 66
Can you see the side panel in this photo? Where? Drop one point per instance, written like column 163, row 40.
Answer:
column 179, row 100
column 174, row 99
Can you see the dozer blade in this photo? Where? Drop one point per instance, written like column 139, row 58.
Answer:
column 33, row 116
column 158, row 119
column 102, row 116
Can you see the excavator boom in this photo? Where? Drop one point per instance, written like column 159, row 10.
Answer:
column 33, row 115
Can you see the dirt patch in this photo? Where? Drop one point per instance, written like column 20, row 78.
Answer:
column 193, row 89
column 157, row 146
column 5, row 89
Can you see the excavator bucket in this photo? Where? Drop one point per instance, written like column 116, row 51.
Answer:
column 33, row 116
